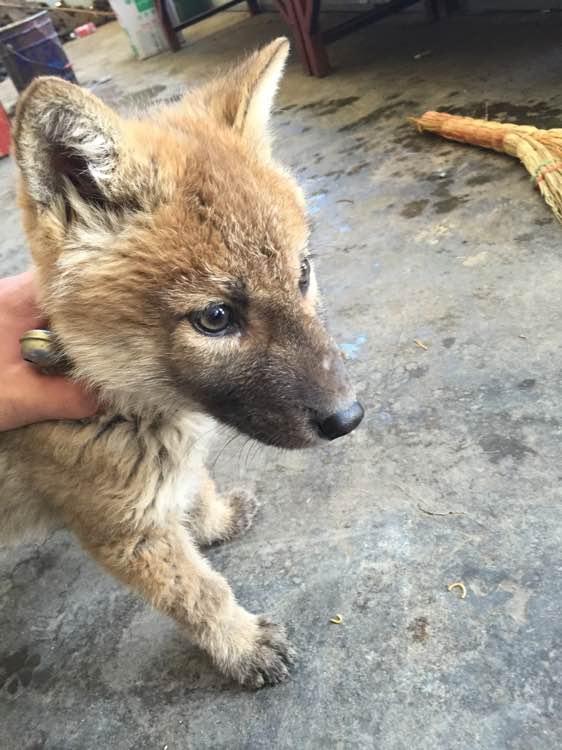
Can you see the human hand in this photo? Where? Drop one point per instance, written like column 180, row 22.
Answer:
column 26, row 395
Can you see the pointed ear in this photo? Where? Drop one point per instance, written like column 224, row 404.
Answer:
column 243, row 99
column 65, row 136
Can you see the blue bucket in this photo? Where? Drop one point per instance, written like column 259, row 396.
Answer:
column 31, row 48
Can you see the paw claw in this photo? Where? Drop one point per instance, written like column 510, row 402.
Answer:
column 270, row 661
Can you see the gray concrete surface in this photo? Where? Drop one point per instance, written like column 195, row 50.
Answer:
column 454, row 476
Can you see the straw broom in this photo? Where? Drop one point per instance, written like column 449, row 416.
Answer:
column 539, row 150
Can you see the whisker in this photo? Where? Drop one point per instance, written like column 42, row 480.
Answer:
column 224, row 447
column 243, row 463
column 217, row 429
column 257, row 451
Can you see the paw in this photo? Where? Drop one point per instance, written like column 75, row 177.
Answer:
column 269, row 661
column 244, row 506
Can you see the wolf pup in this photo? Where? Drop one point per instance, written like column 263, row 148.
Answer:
column 171, row 256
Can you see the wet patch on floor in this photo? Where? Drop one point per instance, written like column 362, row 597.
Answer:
column 414, row 208
column 16, row 670
column 446, row 201
column 380, row 114
column 497, row 447
column 526, row 384
column 480, row 179
column 322, row 107
column 540, row 114
column 143, row 97
column 357, row 168
column 136, row 101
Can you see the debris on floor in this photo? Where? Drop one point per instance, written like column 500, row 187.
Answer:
column 460, row 586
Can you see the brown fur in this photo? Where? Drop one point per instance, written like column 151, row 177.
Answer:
column 136, row 226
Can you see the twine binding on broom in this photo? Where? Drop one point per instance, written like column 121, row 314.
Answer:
column 544, row 169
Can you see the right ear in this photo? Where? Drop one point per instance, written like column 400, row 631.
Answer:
column 64, row 136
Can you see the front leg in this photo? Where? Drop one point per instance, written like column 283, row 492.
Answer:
column 164, row 565
column 218, row 518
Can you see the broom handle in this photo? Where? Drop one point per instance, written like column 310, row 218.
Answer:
column 485, row 133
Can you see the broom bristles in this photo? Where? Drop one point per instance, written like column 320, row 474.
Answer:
column 540, row 151
column 486, row 133
column 544, row 166
column 463, row 129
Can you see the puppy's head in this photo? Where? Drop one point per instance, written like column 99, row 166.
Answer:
column 172, row 256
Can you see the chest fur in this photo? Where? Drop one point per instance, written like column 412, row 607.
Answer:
column 127, row 471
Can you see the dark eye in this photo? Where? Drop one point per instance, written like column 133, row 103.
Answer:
column 214, row 320
column 304, row 280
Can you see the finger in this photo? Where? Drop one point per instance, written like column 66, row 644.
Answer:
column 46, row 397
column 63, row 399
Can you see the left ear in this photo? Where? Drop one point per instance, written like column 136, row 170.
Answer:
column 66, row 137
column 243, row 98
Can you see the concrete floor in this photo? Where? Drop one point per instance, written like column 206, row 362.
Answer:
column 454, row 475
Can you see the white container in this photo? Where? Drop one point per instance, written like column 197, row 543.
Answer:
column 140, row 20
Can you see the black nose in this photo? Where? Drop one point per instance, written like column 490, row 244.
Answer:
column 342, row 422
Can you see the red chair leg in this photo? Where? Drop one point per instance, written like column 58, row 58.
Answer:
column 317, row 55
column 302, row 17
column 287, row 8
column 308, row 12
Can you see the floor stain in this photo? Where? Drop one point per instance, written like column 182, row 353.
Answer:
column 541, row 114
column 414, row 208
column 143, row 98
column 449, row 204
column 480, row 179
column 418, row 629
column 358, row 168
column 418, row 372
column 17, row 669
column 322, row 107
column 334, row 173
column 38, row 742
column 410, row 139
column 385, row 112
column 359, row 144
column 497, row 447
